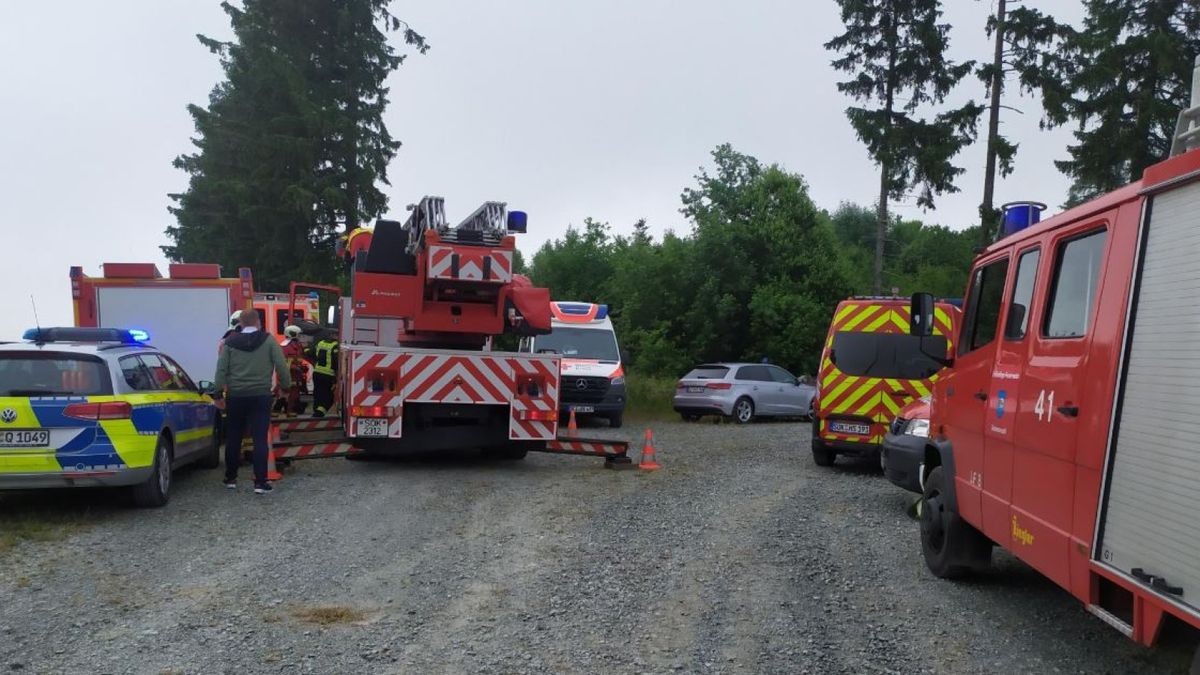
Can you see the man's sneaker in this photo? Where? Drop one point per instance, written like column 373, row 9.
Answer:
column 230, row 484
column 262, row 488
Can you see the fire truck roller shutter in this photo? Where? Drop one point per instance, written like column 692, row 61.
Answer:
column 387, row 254
column 183, row 322
column 1150, row 522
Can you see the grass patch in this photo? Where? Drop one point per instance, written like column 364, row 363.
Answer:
column 649, row 397
column 328, row 615
column 16, row 528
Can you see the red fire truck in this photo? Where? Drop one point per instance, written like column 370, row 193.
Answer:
column 1064, row 430
column 417, row 368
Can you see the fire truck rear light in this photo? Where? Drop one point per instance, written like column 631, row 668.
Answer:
column 111, row 410
column 718, row 385
column 371, row 411
column 539, row 415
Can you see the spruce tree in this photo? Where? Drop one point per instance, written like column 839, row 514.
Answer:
column 292, row 146
column 896, row 53
column 1122, row 80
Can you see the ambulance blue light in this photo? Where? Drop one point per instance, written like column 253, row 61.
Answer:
column 602, row 311
column 574, row 308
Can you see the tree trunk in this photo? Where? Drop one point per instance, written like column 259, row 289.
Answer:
column 987, row 214
column 881, row 222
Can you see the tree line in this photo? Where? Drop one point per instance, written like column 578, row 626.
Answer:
column 292, row 149
column 757, row 276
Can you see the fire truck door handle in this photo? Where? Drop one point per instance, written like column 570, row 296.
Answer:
column 981, row 396
column 1069, row 410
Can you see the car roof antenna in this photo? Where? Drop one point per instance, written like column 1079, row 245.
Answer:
column 36, row 322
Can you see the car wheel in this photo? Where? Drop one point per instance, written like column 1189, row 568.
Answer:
column 156, row 491
column 951, row 547
column 212, row 456
column 812, row 411
column 615, row 421
column 743, row 410
column 822, row 454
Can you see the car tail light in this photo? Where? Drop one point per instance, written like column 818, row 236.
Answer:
column 110, row 410
column 371, row 411
column 719, row 385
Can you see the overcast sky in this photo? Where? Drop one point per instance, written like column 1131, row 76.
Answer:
column 565, row 109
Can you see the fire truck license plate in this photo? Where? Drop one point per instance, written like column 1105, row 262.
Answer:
column 372, row 426
column 25, row 438
column 850, row 428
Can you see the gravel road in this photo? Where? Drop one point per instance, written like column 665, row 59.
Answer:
column 740, row 556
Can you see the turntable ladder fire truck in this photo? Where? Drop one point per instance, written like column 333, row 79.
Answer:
column 1065, row 428
column 417, row 370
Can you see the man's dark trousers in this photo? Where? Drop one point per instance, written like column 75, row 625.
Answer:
column 242, row 414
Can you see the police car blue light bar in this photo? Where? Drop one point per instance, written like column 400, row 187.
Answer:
column 76, row 334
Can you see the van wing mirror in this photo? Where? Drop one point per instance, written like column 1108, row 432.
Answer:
column 921, row 310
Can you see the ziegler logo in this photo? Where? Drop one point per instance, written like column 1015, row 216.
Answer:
column 1020, row 534
column 390, row 294
column 9, row 415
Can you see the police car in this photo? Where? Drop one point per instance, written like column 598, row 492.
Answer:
column 84, row 407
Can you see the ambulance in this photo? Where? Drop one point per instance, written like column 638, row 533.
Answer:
column 593, row 375
column 273, row 310
column 870, row 369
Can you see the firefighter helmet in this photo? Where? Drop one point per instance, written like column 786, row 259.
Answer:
column 292, row 331
column 235, row 319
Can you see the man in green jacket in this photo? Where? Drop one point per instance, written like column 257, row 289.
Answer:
column 245, row 392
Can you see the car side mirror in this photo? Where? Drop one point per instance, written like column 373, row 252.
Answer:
column 921, row 311
column 624, row 354
column 207, row 387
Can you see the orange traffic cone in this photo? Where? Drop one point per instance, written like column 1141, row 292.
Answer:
column 649, row 463
column 572, row 430
column 272, row 471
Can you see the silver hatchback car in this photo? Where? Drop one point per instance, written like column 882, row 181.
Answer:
column 742, row 391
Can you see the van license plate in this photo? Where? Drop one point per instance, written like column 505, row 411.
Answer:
column 584, row 408
column 850, row 428
column 372, row 426
column 25, row 438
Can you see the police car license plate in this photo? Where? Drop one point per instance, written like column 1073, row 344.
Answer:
column 25, row 438
column 850, row 428
column 584, row 408
column 372, row 426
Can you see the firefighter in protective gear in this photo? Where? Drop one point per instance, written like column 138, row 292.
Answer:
column 293, row 351
column 235, row 326
column 324, row 356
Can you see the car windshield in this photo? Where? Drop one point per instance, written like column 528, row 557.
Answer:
column 707, row 373
column 893, row 355
column 53, row 374
column 579, row 343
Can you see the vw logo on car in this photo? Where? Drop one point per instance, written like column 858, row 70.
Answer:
column 8, row 415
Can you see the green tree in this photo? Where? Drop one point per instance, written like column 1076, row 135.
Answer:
column 292, row 144
column 767, row 272
column 1121, row 79
column 578, row 265
column 896, row 51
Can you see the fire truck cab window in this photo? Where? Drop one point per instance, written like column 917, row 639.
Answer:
column 983, row 312
column 1018, row 310
column 1074, row 290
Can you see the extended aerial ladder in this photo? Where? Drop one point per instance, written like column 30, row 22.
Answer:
column 417, row 369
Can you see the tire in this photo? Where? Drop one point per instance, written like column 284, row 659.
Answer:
column 615, row 421
column 950, row 546
column 822, row 454
column 743, row 410
column 156, row 491
column 212, row 457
